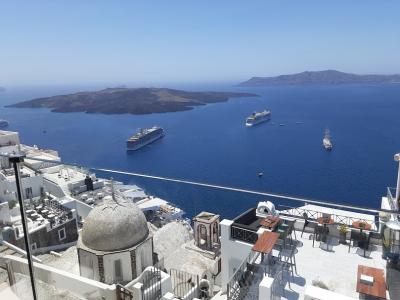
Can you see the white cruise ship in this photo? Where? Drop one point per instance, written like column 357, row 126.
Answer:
column 144, row 137
column 258, row 117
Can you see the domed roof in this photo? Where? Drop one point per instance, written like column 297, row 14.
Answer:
column 114, row 225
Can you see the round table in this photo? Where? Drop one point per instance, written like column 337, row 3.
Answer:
column 363, row 244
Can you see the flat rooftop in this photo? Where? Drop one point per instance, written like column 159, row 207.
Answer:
column 336, row 269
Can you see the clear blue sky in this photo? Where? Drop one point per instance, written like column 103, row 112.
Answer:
column 68, row 42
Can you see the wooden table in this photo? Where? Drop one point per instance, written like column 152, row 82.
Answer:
column 270, row 222
column 378, row 288
column 266, row 242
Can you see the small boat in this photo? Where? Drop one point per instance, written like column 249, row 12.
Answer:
column 260, row 174
column 327, row 143
column 281, row 124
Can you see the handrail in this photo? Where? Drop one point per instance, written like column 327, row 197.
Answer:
column 243, row 234
column 313, row 214
column 234, row 289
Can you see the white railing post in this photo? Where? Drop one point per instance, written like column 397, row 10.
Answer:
column 397, row 158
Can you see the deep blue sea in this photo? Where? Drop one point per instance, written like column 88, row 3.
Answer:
column 211, row 144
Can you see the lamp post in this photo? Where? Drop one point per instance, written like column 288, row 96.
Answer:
column 15, row 159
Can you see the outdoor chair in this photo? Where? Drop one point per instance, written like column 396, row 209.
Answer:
column 308, row 223
column 291, row 231
column 283, row 230
column 355, row 236
column 359, row 239
column 288, row 256
column 374, row 235
column 320, row 234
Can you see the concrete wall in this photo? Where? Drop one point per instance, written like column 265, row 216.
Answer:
column 166, row 284
column 108, row 262
column 5, row 216
column 8, row 189
column 47, row 237
column 80, row 286
column 82, row 209
column 144, row 255
column 53, row 188
column 233, row 253
column 88, row 265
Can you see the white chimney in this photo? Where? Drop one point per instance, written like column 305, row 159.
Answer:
column 397, row 158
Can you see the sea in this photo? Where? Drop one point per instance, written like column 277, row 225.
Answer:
column 210, row 144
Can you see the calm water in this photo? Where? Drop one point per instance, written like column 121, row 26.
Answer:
column 211, row 144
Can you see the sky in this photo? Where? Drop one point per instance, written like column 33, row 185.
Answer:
column 122, row 42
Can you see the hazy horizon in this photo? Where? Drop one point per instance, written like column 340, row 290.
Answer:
column 137, row 43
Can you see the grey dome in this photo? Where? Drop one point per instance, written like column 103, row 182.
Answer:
column 114, row 225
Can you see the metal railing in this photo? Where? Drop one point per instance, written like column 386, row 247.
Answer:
column 185, row 285
column 244, row 235
column 313, row 214
column 392, row 200
column 240, row 282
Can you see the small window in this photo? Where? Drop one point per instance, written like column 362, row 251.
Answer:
column 61, row 234
column 28, row 192
column 33, row 246
column 118, row 270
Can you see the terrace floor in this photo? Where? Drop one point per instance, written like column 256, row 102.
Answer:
column 336, row 269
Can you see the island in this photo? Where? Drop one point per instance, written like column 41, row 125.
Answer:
column 329, row 77
column 129, row 100
column 2, row 89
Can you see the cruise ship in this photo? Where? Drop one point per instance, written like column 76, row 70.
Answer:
column 327, row 141
column 144, row 137
column 258, row 117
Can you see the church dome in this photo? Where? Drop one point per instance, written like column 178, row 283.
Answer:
column 116, row 224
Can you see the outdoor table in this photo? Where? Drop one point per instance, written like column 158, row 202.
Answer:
column 270, row 222
column 378, row 288
column 265, row 243
column 362, row 225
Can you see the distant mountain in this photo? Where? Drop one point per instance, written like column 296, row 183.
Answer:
column 2, row 89
column 129, row 100
column 320, row 77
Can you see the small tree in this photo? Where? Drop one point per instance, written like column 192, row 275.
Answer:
column 12, row 204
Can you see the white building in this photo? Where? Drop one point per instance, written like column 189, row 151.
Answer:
column 115, row 245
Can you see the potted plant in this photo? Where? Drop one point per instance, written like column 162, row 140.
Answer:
column 342, row 233
column 386, row 248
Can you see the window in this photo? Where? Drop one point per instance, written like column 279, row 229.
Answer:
column 28, row 192
column 117, row 270
column 61, row 234
column 33, row 246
